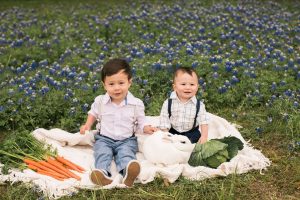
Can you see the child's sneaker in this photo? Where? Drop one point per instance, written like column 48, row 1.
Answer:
column 132, row 171
column 98, row 177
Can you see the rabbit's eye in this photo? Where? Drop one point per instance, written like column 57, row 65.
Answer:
column 170, row 135
column 183, row 142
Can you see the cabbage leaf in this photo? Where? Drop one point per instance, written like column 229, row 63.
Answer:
column 216, row 151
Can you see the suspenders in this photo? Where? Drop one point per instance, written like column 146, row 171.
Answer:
column 197, row 109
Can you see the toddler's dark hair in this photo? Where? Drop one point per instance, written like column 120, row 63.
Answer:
column 115, row 65
column 188, row 70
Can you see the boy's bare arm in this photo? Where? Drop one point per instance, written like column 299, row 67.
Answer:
column 204, row 133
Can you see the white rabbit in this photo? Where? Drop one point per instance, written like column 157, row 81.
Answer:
column 167, row 149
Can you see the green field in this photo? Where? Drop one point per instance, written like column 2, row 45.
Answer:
column 246, row 53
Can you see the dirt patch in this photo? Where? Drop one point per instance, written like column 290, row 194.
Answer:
column 2, row 136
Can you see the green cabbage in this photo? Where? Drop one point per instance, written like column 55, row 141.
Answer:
column 216, row 151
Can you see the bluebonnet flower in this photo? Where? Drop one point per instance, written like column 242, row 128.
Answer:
column 22, row 79
column 43, row 63
column 227, row 83
column 288, row 92
column 85, row 107
column 285, row 116
column 222, row 89
column 215, row 75
column 282, row 82
column 85, row 87
column 147, row 99
column 64, row 82
column 201, row 81
column 2, row 108
column 72, row 111
column 145, row 81
column 234, row 115
column 33, row 96
column 11, row 92
column 12, row 82
column 234, row 80
column 228, row 67
column 20, row 101
column 28, row 91
column 291, row 63
column 157, row 66
column 291, row 147
column 252, row 74
column 259, row 130
column 269, row 119
column 273, row 86
column 66, row 96
column 195, row 64
column 201, row 30
column 215, row 67
column 44, row 90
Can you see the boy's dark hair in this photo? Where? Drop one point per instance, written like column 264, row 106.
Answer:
column 115, row 65
column 188, row 70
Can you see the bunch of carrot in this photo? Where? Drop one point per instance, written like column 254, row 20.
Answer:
column 24, row 151
column 56, row 167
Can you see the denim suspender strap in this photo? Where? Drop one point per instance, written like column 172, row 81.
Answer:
column 169, row 107
column 197, row 110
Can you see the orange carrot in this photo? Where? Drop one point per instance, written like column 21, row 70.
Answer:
column 35, row 164
column 31, row 162
column 49, row 174
column 32, row 167
column 47, row 165
column 48, row 170
column 69, row 164
column 60, row 166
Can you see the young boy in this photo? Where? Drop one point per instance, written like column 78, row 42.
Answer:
column 118, row 113
column 182, row 113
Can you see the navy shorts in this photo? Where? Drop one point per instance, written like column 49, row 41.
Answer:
column 194, row 134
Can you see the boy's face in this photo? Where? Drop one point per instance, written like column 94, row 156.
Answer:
column 117, row 86
column 185, row 85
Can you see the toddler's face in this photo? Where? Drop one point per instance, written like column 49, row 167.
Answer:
column 117, row 86
column 185, row 85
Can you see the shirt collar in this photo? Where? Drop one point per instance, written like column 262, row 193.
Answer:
column 129, row 99
column 174, row 96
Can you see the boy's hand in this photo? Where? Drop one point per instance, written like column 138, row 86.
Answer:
column 202, row 140
column 149, row 129
column 84, row 128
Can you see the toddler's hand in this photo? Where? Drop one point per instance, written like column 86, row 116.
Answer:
column 150, row 129
column 84, row 128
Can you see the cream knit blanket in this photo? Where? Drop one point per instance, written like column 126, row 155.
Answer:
column 78, row 148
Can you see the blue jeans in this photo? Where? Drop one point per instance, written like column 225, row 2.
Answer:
column 123, row 151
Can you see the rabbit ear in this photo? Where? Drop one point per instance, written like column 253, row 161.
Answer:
column 185, row 147
column 166, row 140
column 181, row 139
column 167, row 137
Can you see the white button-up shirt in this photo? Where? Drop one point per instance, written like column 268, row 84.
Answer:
column 182, row 114
column 118, row 121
